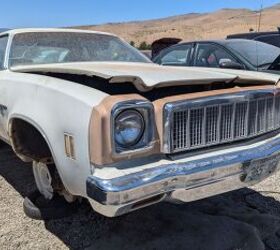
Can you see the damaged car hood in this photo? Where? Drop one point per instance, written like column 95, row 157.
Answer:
column 146, row 76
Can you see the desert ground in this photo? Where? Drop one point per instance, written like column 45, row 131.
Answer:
column 245, row 219
column 195, row 26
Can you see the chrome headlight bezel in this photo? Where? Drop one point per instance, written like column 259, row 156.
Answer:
column 146, row 110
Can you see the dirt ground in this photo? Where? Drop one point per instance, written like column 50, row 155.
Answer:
column 246, row 219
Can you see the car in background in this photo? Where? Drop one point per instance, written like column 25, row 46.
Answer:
column 160, row 44
column 269, row 37
column 229, row 54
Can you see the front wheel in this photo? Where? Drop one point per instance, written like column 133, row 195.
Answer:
column 43, row 179
column 51, row 200
column 49, row 183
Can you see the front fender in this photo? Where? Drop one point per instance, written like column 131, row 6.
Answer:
column 55, row 107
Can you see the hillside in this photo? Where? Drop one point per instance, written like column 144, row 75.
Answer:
column 194, row 26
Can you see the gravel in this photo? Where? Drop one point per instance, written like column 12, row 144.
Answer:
column 244, row 219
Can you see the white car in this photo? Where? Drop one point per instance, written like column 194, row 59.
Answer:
column 100, row 121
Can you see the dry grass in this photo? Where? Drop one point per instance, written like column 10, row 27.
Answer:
column 194, row 26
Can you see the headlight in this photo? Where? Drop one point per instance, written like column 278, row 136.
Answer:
column 129, row 128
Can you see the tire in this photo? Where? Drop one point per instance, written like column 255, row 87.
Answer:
column 36, row 207
column 49, row 183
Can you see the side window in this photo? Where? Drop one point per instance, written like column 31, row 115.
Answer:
column 211, row 55
column 177, row 56
column 3, row 45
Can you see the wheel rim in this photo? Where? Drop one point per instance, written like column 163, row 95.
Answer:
column 43, row 179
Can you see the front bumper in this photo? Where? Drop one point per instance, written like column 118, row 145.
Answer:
column 113, row 192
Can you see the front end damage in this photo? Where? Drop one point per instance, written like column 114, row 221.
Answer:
column 225, row 140
column 207, row 131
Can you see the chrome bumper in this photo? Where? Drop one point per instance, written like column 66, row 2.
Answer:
column 185, row 180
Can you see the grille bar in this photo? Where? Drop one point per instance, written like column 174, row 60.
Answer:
column 228, row 121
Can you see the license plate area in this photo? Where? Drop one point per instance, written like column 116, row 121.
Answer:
column 257, row 170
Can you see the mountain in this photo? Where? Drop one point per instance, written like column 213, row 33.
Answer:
column 194, row 26
column 3, row 30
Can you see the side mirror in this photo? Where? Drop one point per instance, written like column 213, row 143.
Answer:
column 228, row 64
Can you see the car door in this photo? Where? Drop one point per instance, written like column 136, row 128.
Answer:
column 179, row 55
column 211, row 55
column 3, row 97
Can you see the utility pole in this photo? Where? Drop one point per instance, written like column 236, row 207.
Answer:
column 260, row 17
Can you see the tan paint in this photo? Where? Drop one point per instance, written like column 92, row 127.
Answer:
column 211, row 93
column 101, row 149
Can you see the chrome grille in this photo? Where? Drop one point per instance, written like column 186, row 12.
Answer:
column 269, row 113
column 196, row 124
column 226, row 118
column 261, row 122
column 240, row 124
column 277, row 111
column 226, row 122
column 252, row 121
column 212, row 118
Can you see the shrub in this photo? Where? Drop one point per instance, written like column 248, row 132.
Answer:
column 144, row 46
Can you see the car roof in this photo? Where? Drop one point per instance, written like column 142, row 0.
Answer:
column 222, row 42
column 253, row 35
column 218, row 41
column 70, row 30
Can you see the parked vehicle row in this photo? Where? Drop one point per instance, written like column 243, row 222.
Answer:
column 99, row 120
column 250, row 51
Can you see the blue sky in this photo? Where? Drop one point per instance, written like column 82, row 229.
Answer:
column 60, row 13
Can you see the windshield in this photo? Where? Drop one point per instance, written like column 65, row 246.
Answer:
column 257, row 53
column 62, row 47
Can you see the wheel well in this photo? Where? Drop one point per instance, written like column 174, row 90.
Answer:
column 28, row 142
